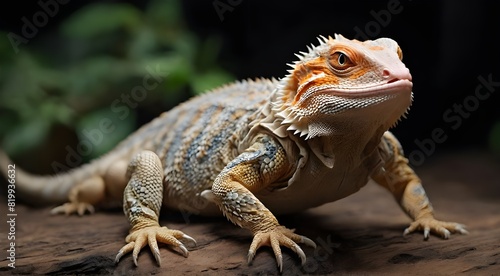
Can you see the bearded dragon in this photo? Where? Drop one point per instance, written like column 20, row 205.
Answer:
column 254, row 149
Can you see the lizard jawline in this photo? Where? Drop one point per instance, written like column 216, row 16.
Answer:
column 393, row 87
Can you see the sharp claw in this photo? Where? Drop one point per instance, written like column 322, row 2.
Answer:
column 81, row 211
column 118, row 256
column 138, row 245
column 54, row 211
column 426, row 233
column 279, row 260
column 443, row 229
column 280, row 236
column 156, row 253
column 446, row 234
column 251, row 254
column 301, row 254
column 460, row 228
column 190, row 239
column 184, row 250
column 72, row 208
column 463, row 231
column 308, row 242
column 407, row 231
column 137, row 241
column 134, row 257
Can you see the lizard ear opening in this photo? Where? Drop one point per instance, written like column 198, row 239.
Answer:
column 400, row 53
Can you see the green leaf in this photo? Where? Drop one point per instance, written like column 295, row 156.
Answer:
column 187, row 46
column 101, row 18
column 142, row 44
column 55, row 111
column 90, row 77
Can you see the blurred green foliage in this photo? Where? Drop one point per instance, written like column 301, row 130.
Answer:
column 100, row 54
column 494, row 141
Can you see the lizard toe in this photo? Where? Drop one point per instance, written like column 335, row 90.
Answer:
column 439, row 228
column 151, row 236
column 69, row 208
column 277, row 237
column 124, row 250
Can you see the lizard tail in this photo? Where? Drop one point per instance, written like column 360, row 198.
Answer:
column 47, row 189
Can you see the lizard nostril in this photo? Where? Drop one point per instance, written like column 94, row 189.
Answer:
column 394, row 74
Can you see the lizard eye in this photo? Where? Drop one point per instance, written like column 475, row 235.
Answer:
column 340, row 61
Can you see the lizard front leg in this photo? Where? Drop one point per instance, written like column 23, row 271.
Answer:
column 259, row 166
column 406, row 187
column 142, row 200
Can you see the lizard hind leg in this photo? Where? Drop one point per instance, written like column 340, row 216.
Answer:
column 83, row 197
column 142, row 200
column 96, row 190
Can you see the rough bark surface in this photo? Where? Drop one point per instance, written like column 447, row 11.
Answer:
column 361, row 234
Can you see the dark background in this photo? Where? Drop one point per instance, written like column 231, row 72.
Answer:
column 447, row 45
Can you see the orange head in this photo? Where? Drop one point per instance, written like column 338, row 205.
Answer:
column 342, row 79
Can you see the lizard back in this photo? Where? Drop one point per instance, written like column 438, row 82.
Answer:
column 196, row 139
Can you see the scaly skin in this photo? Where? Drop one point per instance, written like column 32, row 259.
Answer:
column 253, row 149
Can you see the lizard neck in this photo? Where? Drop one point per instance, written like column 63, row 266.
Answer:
column 352, row 134
column 352, row 149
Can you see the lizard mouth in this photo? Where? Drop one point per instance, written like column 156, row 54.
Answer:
column 394, row 86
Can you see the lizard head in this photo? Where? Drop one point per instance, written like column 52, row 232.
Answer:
column 343, row 82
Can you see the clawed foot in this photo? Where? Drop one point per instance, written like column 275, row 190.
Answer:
column 69, row 208
column 151, row 236
column 440, row 228
column 279, row 236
